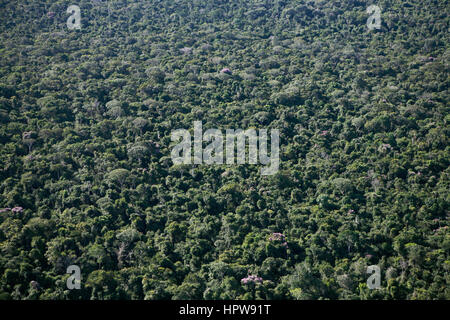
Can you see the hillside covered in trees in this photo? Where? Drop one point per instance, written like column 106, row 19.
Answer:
column 87, row 179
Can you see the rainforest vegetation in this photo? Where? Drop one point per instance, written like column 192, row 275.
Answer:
column 86, row 176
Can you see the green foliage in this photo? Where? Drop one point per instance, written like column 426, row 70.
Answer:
column 85, row 137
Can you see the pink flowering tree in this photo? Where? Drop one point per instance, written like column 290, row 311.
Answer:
column 251, row 282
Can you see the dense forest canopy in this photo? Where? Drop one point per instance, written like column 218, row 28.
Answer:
column 86, row 177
